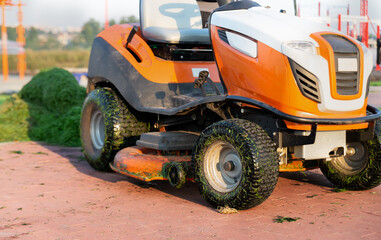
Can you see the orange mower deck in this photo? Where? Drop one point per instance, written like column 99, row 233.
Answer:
column 148, row 164
column 145, row 164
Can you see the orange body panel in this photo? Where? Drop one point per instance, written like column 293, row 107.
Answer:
column 304, row 127
column 269, row 79
column 153, row 68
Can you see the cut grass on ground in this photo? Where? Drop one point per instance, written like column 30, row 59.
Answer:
column 3, row 98
column 375, row 83
column 47, row 109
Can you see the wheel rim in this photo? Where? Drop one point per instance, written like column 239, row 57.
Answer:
column 97, row 129
column 222, row 167
column 355, row 160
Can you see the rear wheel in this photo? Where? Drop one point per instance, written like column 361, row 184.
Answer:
column 360, row 169
column 106, row 127
column 235, row 164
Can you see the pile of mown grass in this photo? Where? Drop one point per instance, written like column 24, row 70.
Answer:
column 3, row 97
column 14, row 113
column 47, row 109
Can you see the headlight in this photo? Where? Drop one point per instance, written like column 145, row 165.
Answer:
column 364, row 48
column 307, row 47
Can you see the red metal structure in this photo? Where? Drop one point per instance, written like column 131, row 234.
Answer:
column 378, row 67
column 21, row 65
column 348, row 22
column 364, row 27
column 339, row 24
column 319, row 9
column 298, row 10
column 106, row 14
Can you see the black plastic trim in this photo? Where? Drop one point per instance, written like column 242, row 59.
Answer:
column 222, row 35
column 240, row 5
column 285, row 139
column 376, row 114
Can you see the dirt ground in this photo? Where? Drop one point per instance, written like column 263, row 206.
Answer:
column 374, row 98
column 50, row 192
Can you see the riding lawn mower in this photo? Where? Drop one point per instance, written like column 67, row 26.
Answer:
column 230, row 103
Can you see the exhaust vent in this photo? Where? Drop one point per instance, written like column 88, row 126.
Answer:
column 307, row 82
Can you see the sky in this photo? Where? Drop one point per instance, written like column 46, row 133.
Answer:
column 74, row 13
column 70, row 13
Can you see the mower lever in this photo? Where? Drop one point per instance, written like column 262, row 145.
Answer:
column 131, row 35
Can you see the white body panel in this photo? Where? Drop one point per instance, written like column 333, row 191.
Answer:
column 267, row 26
column 325, row 142
column 276, row 29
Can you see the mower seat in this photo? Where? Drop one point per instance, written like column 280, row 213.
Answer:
column 172, row 21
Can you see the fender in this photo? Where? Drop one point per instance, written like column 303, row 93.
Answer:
column 108, row 64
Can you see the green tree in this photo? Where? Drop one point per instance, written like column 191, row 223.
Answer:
column 129, row 19
column 52, row 43
column 112, row 22
column 31, row 39
column 76, row 43
column 89, row 31
column 11, row 32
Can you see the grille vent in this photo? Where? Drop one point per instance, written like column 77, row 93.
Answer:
column 307, row 82
column 223, row 36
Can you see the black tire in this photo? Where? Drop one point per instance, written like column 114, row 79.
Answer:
column 244, row 147
column 362, row 174
column 106, row 127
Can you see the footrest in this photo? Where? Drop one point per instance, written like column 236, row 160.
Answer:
column 168, row 141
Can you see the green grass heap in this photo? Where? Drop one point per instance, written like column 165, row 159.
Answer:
column 47, row 109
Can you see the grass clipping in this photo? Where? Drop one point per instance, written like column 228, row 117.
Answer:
column 226, row 210
column 46, row 109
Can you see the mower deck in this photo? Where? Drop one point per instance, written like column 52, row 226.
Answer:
column 149, row 164
column 146, row 164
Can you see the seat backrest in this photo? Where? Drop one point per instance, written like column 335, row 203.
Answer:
column 170, row 14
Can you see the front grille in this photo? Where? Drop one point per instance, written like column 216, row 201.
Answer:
column 347, row 82
column 307, row 82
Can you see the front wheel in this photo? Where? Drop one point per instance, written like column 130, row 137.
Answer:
column 360, row 169
column 235, row 164
column 107, row 126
